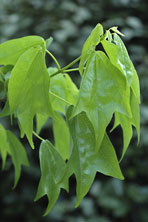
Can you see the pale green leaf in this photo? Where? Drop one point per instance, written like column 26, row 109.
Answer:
column 28, row 89
column 52, row 179
column 40, row 121
column 103, row 90
column 108, row 36
column 48, row 42
column 61, row 136
column 90, row 44
column 11, row 50
column 62, row 86
column 84, row 161
column 18, row 154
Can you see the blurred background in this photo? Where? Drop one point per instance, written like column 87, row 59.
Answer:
column 70, row 22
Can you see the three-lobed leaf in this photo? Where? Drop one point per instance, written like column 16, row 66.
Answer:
column 28, row 89
column 103, row 91
column 84, row 161
column 82, row 147
column 90, row 44
column 53, row 169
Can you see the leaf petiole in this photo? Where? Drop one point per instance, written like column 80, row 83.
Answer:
column 40, row 138
column 52, row 56
column 72, row 63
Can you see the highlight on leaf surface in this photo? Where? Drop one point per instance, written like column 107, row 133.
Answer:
column 80, row 115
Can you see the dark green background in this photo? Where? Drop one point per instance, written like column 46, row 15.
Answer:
column 70, row 22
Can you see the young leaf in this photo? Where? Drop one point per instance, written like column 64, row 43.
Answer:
column 53, row 169
column 90, row 44
column 11, row 50
column 115, row 29
column 62, row 86
column 120, row 58
column 18, row 154
column 48, row 42
column 84, row 161
column 103, row 91
column 61, row 136
column 28, row 89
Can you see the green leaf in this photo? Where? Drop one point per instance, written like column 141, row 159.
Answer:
column 90, row 44
column 108, row 36
column 18, row 154
column 40, row 121
column 61, row 136
column 4, row 146
column 120, row 58
column 104, row 90
column 9, row 144
column 126, row 123
column 135, row 114
column 11, row 50
column 62, row 86
column 28, row 89
column 53, row 169
column 84, row 161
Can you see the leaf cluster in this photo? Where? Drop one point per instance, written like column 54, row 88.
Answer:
column 109, row 87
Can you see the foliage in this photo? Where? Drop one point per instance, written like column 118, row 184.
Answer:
column 109, row 86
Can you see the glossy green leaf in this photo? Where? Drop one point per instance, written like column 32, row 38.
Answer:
column 28, row 89
column 4, row 146
column 53, row 169
column 18, row 154
column 84, row 161
column 90, row 44
column 62, row 86
column 126, row 123
column 120, row 58
column 104, row 90
column 61, row 136
column 11, row 50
